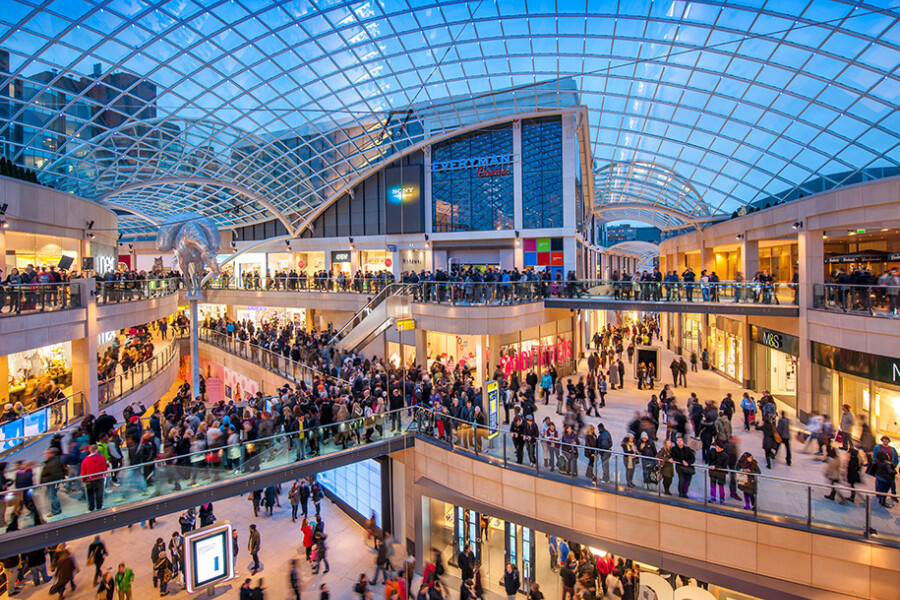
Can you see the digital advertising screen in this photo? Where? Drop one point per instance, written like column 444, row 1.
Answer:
column 209, row 556
column 492, row 395
column 404, row 199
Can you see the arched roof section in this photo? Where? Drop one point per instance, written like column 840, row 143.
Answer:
column 741, row 100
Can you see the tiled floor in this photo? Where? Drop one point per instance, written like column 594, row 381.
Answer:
column 348, row 554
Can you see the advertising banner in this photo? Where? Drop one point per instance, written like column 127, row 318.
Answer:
column 404, row 199
column 492, row 400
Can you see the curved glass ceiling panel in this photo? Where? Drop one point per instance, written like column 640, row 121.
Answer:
column 248, row 111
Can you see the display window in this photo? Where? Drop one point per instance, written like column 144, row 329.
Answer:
column 309, row 262
column 374, row 261
column 358, row 486
column 539, row 348
column 31, row 371
column 39, row 250
column 726, row 349
column 401, row 354
column 452, row 349
column 691, row 327
column 496, row 542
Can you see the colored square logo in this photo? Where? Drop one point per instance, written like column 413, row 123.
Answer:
column 530, row 259
column 556, row 259
column 543, row 259
column 543, row 244
column 530, row 245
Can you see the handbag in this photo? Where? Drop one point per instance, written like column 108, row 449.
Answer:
column 839, row 438
column 743, row 480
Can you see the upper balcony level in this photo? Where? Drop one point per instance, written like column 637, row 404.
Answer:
column 36, row 315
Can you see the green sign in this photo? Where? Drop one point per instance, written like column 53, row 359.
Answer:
column 883, row 369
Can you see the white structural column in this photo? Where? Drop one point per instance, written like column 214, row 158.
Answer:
column 810, row 267
column 428, row 202
column 84, row 350
column 517, row 175
column 568, row 191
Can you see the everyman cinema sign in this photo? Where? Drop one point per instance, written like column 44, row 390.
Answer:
column 486, row 166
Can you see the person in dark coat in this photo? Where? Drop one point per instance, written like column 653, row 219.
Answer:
column 718, row 465
column 769, row 443
column 465, row 560
column 511, row 581
column 853, row 471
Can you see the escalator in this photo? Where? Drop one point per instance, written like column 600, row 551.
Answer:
column 392, row 303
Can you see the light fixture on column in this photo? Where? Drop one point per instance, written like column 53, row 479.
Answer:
column 797, row 225
column 91, row 236
column 740, row 236
column 4, row 224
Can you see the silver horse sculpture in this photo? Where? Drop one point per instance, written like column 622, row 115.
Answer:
column 195, row 240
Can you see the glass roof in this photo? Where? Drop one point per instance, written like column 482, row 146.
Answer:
column 249, row 110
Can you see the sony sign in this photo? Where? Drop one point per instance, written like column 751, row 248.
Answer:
column 487, row 166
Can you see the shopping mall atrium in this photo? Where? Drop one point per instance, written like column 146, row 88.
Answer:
column 450, row 299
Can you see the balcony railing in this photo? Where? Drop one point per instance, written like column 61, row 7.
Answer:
column 779, row 501
column 114, row 388
column 467, row 293
column 39, row 421
column 869, row 300
column 17, row 299
column 114, row 292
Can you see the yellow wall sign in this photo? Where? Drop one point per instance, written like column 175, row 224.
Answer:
column 405, row 324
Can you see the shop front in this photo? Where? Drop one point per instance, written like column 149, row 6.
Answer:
column 34, row 371
column 41, row 251
column 538, row 348
column 726, row 347
column 495, row 543
column 868, row 383
column 340, row 262
column 309, row 262
column 374, row 261
column 361, row 489
column 773, row 364
column 452, row 350
column 691, row 333
column 265, row 314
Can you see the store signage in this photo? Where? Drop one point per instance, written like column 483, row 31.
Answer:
column 487, row 166
column 883, row 369
column 492, row 395
column 105, row 264
column 771, row 339
column 259, row 308
column 776, row 340
column 340, row 257
column 537, row 356
column 405, row 324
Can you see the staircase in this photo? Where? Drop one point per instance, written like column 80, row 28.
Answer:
column 390, row 304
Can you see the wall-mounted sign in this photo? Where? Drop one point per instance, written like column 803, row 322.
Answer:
column 487, row 166
column 259, row 308
column 776, row 340
column 340, row 257
column 885, row 369
column 405, row 324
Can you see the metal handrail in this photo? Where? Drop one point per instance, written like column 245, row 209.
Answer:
column 167, row 355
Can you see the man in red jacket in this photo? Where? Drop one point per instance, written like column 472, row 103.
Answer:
column 93, row 468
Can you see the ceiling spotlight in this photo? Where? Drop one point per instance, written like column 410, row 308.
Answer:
column 90, row 225
column 287, row 243
column 233, row 244
column 91, row 236
column 740, row 236
column 797, row 224
column 3, row 208
column 4, row 224
column 121, row 235
column 131, row 246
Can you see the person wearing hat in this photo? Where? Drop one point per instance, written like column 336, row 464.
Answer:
column 8, row 414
